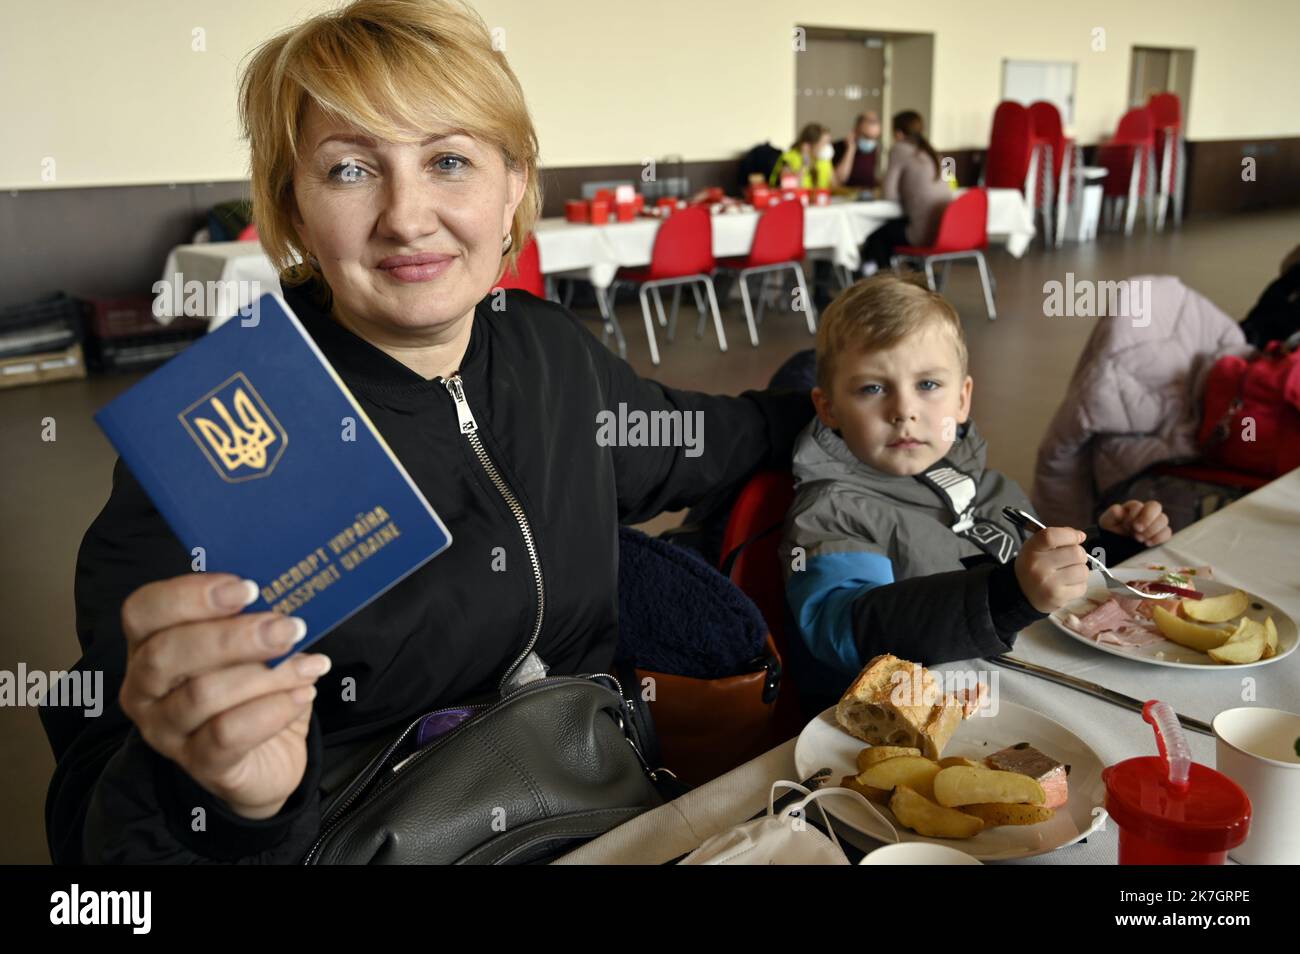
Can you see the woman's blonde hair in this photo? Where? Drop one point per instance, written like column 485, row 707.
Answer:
column 877, row 313
column 391, row 68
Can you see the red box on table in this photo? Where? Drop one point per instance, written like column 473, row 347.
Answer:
column 577, row 210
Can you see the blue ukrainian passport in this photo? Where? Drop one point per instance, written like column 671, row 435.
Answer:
column 252, row 448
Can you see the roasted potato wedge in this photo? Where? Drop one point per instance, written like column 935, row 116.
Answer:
column 924, row 817
column 952, row 760
column 1246, row 650
column 1216, row 609
column 994, row 814
column 878, row 795
column 914, row 771
column 962, row 785
column 1192, row 635
column 878, row 753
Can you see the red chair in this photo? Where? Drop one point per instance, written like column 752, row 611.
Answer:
column 777, row 245
column 963, row 233
column 1017, row 158
column 1006, row 164
column 1057, row 167
column 527, row 273
column 750, row 559
column 682, row 255
column 1167, row 117
column 1129, row 157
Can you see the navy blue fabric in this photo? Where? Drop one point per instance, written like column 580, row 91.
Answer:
column 679, row 615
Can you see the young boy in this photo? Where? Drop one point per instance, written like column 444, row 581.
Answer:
column 896, row 542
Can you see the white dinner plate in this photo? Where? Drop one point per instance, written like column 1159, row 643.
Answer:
column 823, row 743
column 1164, row 652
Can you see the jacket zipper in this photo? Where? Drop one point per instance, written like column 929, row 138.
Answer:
column 469, row 427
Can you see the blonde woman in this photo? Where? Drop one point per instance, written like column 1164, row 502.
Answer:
column 392, row 150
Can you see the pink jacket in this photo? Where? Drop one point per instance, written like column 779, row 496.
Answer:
column 1134, row 399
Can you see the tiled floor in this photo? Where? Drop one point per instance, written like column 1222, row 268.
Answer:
column 50, row 491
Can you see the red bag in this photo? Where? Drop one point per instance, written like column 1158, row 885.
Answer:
column 1252, row 412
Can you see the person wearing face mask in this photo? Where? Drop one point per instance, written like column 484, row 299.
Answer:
column 810, row 158
column 855, row 155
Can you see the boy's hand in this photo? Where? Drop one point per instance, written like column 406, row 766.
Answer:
column 1052, row 568
column 1147, row 523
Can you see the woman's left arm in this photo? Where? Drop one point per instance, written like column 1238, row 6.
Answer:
column 673, row 448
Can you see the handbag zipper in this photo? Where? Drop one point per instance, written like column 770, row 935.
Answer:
column 469, row 427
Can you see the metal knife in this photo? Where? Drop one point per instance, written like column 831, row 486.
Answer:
column 1091, row 688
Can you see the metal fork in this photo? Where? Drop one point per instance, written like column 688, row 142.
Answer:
column 1027, row 521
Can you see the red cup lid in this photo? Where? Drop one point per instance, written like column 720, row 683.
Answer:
column 1212, row 814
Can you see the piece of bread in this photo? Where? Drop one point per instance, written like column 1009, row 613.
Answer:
column 896, row 702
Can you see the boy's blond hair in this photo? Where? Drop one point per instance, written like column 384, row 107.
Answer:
column 876, row 314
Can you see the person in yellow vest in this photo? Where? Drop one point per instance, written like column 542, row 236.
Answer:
column 810, row 158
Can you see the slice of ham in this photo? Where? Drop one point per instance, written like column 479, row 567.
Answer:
column 1131, row 636
column 1110, row 615
column 1120, row 621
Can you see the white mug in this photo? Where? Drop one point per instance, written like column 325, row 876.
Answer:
column 1256, row 748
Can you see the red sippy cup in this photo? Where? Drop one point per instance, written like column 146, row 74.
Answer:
column 1169, row 809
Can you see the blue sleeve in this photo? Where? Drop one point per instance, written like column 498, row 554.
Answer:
column 821, row 597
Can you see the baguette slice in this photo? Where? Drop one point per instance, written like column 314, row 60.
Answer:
column 896, row 702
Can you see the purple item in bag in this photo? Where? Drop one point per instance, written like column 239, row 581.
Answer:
column 437, row 724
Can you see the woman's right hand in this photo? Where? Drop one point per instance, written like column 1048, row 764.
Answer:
column 198, row 688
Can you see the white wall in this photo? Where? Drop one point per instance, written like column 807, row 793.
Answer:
column 113, row 92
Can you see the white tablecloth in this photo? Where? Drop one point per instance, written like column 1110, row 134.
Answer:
column 1250, row 544
column 595, row 251
column 598, row 251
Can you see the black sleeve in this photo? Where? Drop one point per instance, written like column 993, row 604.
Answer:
column 1115, row 546
column 739, row 436
column 932, row 619
column 112, row 798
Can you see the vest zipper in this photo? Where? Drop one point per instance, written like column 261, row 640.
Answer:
column 469, row 427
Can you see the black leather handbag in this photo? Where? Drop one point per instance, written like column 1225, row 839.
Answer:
column 555, row 763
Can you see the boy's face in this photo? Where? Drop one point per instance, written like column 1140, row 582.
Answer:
column 898, row 409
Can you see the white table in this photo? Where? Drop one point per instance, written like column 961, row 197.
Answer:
column 1251, row 544
column 243, row 270
column 598, row 251
column 594, row 252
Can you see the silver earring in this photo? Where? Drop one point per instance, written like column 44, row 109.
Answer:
column 510, row 241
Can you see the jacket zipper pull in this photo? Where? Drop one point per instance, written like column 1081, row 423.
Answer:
column 463, row 414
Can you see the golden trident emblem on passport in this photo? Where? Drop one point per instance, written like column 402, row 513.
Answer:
column 236, row 431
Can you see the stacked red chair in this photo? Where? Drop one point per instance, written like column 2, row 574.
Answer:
column 1171, row 151
column 1059, row 168
column 1129, row 158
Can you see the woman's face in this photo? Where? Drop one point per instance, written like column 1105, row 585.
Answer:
column 408, row 235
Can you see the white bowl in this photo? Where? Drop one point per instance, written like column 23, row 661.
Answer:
column 918, row 853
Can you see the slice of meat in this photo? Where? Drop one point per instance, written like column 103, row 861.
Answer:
column 1024, row 759
column 1109, row 615
column 1130, row 635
